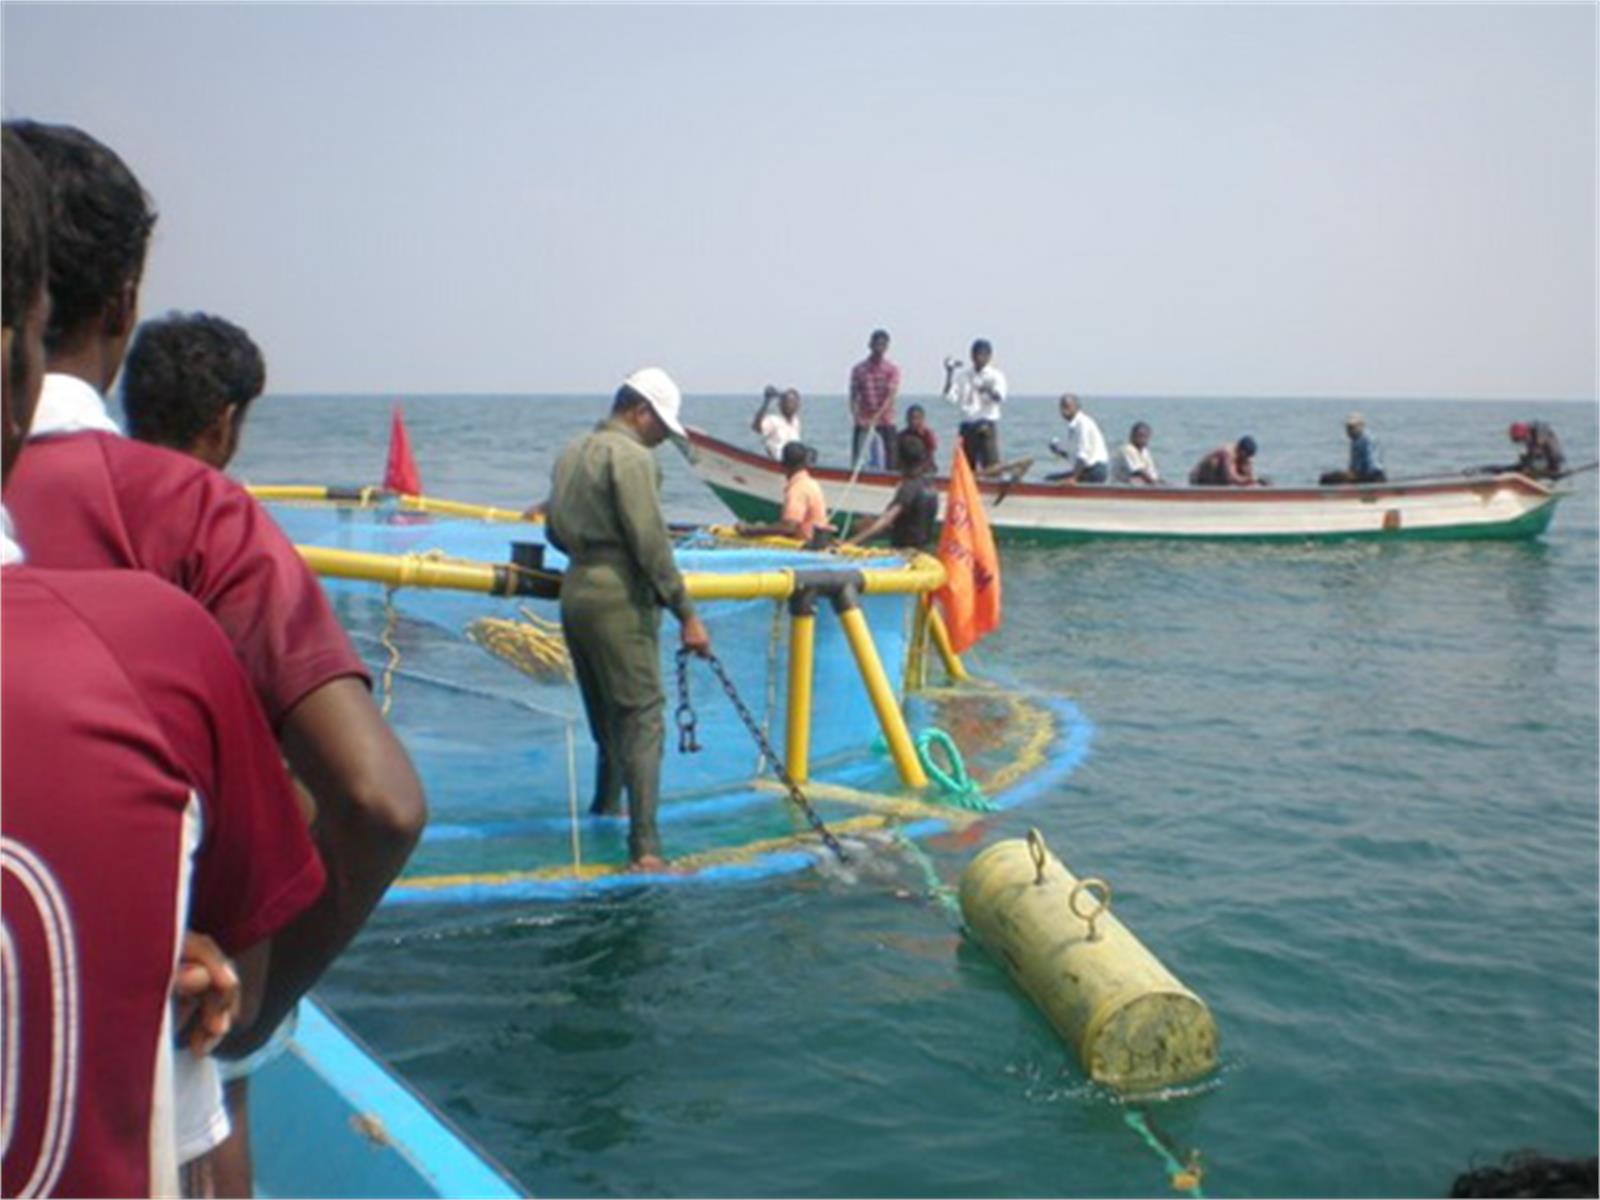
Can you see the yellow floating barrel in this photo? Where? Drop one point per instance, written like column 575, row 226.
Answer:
column 1134, row 1026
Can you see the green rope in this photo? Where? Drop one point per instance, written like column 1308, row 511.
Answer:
column 1137, row 1121
column 936, row 888
column 958, row 787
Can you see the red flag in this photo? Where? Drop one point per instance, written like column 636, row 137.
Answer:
column 970, row 596
column 400, row 474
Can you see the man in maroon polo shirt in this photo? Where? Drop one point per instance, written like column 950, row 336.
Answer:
column 874, row 384
column 143, row 795
column 86, row 497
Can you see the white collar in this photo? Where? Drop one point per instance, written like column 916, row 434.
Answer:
column 10, row 552
column 68, row 404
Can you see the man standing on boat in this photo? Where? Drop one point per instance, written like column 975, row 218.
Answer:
column 1366, row 465
column 1085, row 447
column 604, row 513
column 978, row 391
column 874, row 384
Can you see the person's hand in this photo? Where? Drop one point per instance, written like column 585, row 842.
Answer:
column 206, row 990
column 770, row 394
column 695, row 638
column 950, row 364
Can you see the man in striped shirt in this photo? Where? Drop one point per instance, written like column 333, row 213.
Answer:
column 874, row 384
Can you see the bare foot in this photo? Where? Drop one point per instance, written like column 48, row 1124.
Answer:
column 653, row 864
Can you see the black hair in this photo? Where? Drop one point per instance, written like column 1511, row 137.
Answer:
column 878, row 333
column 911, row 450
column 1247, row 446
column 25, row 222
column 915, row 408
column 795, row 454
column 1524, row 1173
column 1138, row 425
column 100, row 222
column 626, row 400
column 182, row 371
column 982, row 344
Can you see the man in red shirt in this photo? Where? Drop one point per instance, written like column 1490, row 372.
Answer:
column 874, row 384
column 143, row 793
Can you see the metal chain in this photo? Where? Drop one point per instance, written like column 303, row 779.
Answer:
column 688, row 745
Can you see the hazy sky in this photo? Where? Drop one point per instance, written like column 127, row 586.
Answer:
column 1355, row 200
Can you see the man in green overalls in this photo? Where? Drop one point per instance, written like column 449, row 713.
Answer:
column 604, row 513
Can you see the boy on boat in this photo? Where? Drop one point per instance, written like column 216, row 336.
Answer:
column 777, row 429
column 1134, row 462
column 188, row 383
column 604, row 513
column 1228, row 466
column 1366, row 465
column 805, row 512
column 918, row 427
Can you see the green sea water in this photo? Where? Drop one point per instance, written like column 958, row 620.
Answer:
column 1347, row 793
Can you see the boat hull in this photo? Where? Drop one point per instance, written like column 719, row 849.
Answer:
column 1506, row 506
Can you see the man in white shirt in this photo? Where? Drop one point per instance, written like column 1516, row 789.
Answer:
column 778, row 429
column 1085, row 447
column 978, row 391
column 1134, row 463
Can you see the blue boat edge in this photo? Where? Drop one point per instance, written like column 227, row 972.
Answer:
column 328, row 1118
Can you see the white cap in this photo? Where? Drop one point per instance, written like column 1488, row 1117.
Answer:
column 656, row 386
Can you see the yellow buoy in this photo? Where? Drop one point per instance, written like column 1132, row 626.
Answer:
column 1133, row 1024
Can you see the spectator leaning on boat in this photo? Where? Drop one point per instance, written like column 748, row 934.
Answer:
column 1366, row 465
column 914, row 510
column 1228, row 466
column 917, row 426
column 805, row 512
column 604, row 513
column 143, row 792
column 1133, row 462
column 874, row 384
column 978, row 392
column 778, row 429
column 1084, row 449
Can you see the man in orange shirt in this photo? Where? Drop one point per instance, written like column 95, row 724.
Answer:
column 805, row 513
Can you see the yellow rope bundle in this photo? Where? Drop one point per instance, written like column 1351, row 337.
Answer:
column 533, row 645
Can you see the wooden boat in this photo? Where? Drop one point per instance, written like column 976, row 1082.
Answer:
column 1506, row 505
column 327, row 1118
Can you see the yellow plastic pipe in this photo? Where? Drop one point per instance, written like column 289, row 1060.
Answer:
column 1134, row 1026
column 802, row 664
column 859, row 634
column 941, row 638
column 407, row 570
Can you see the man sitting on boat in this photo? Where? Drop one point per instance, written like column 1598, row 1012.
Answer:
column 778, row 429
column 1085, row 447
column 1366, row 465
column 1228, row 466
column 914, row 510
column 805, row 512
column 1541, row 450
column 1134, row 463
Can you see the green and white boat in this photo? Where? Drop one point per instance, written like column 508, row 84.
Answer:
column 1504, row 505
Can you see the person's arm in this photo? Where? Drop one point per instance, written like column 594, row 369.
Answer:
column 767, row 398
column 894, row 391
column 370, row 814
column 857, row 396
column 949, row 393
column 876, row 526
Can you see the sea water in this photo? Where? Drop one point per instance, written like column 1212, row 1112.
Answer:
column 1346, row 792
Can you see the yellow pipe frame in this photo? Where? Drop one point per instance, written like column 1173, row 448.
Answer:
column 893, row 722
column 941, row 638
column 368, row 497
column 802, row 669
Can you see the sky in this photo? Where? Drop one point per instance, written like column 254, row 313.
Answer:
column 1359, row 200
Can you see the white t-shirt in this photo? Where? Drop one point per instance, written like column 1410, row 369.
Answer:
column 1130, row 459
column 977, row 393
column 777, row 431
column 1086, row 445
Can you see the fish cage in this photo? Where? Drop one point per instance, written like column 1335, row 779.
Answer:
column 833, row 662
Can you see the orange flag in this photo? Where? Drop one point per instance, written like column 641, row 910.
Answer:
column 970, row 596
column 400, row 474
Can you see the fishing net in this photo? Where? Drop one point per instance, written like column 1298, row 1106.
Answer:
column 480, row 690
